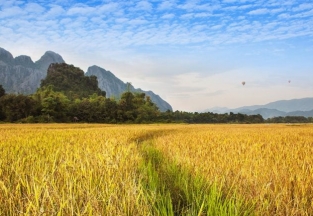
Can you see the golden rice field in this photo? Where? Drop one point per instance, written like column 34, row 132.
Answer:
column 94, row 169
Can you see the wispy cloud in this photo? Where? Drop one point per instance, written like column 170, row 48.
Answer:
column 166, row 5
column 259, row 11
column 213, row 18
column 119, row 29
column 144, row 5
column 302, row 7
column 168, row 16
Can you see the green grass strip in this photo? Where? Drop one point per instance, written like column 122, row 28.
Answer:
column 172, row 190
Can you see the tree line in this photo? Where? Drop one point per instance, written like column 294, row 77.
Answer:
column 48, row 105
column 67, row 95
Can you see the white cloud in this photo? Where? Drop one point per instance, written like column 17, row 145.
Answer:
column 243, row 7
column 144, row 5
column 259, row 11
column 139, row 21
column 14, row 11
column 121, row 20
column 165, row 5
column 189, row 6
column 55, row 11
column 202, row 15
column 108, row 8
column 34, row 8
column 65, row 21
column 5, row 3
column 168, row 16
column 215, row 27
column 277, row 10
column 187, row 16
column 229, row 1
column 305, row 14
column 199, row 28
column 81, row 10
column 302, row 7
column 284, row 16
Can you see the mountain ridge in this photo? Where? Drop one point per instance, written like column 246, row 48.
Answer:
column 297, row 104
column 22, row 75
column 292, row 107
column 113, row 89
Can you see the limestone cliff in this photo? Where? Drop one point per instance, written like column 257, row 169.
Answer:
column 21, row 74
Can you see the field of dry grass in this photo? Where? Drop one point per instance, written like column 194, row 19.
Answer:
column 271, row 165
column 91, row 169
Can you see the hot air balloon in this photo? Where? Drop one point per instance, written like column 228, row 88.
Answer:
column 289, row 81
column 243, row 83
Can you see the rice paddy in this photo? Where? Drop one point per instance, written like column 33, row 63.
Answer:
column 96, row 169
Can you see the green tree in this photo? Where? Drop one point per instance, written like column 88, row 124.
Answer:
column 110, row 108
column 94, row 109
column 83, row 110
column 53, row 105
column 16, row 107
column 147, row 111
column 126, row 108
column 2, row 93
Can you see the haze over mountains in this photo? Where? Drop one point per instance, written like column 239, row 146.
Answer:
column 22, row 75
column 294, row 107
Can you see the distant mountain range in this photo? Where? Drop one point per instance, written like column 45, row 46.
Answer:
column 22, row 75
column 294, row 107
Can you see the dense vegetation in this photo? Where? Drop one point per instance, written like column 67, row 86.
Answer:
column 71, row 81
column 67, row 95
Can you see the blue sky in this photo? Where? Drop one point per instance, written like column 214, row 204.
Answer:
column 194, row 54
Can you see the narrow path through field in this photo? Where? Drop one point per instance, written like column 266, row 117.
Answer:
column 172, row 190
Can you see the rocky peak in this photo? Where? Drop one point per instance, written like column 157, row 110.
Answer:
column 24, row 61
column 5, row 56
column 48, row 58
column 21, row 74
